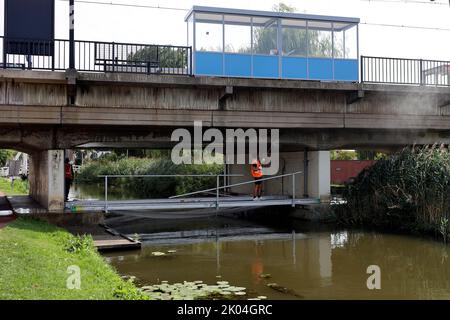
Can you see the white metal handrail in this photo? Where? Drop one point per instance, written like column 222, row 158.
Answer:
column 160, row 176
column 240, row 184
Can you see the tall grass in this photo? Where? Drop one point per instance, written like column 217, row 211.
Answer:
column 409, row 190
column 150, row 187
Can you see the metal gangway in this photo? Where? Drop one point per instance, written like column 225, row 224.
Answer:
column 187, row 201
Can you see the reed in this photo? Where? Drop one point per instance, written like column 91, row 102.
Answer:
column 410, row 190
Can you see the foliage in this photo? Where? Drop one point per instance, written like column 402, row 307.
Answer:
column 343, row 155
column 409, row 190
column 78, row 244
column 370, row 155
column 158, row 187
column 356, row 155
column 35, row 261
column 129, row 292
column 168, row 57
column 294, row 39
column 20, row 187
column 109, row 165
column 5, row 155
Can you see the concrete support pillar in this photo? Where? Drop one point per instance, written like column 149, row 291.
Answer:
column 318, row 176
column 319, row 179
column 47, row 179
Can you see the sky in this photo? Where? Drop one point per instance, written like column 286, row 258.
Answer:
column 106, row 22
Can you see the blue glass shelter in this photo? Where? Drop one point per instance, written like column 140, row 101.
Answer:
column 261, row 44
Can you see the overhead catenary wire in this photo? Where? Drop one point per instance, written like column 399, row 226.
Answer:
column 121, row 4
column 429, row 2
column 111, row 3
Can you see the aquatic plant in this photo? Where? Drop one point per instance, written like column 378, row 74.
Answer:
column 410, row 190
column 194, row 290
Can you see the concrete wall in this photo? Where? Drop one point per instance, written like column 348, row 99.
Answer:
column 47, row 179
column 318, row 176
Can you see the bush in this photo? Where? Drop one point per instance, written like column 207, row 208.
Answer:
column 78, row 244
column 409, row 190
column 158, row 187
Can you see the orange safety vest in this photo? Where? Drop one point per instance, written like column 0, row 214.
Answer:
column 257, row 169
column 67, row 171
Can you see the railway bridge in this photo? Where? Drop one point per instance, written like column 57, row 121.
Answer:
column 118, row 97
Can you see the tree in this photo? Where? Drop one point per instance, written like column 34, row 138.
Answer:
column 165, row 56
column 343, row 155
column 5, row 155
column 370, row 155
column 294, row 38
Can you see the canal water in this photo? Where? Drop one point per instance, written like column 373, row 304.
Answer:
column 307, row 261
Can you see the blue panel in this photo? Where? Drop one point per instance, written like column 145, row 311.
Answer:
column 294, row 68
column 320, row 68
column 238, row 65
column 346, row 69
column 265, row 66
column 208, row 63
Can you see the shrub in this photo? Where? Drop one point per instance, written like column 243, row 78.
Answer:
column 409, row 190
column 158, row 187
column 78, row 244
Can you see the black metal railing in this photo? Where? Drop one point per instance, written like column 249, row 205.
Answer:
column 95, row 56
column 405, row 71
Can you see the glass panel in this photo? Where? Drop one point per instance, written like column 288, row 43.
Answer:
column 209, row 36
column 265, row 36
column 351, row 43
column 294, row 37
column 319, row 39
column 238, row 34
column 338, row 41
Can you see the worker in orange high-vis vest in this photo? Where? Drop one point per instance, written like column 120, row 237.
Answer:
column 257, row 174
column 68, row 178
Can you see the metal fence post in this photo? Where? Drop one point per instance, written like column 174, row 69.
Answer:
column 421, row 71
column 106, row 194
column 361, row 67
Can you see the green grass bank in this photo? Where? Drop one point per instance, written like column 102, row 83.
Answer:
column 38, row 260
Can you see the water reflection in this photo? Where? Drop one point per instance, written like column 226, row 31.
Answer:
column 315, row 264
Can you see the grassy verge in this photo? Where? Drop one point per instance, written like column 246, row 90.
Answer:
column 20, row 187
column 36, row 260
